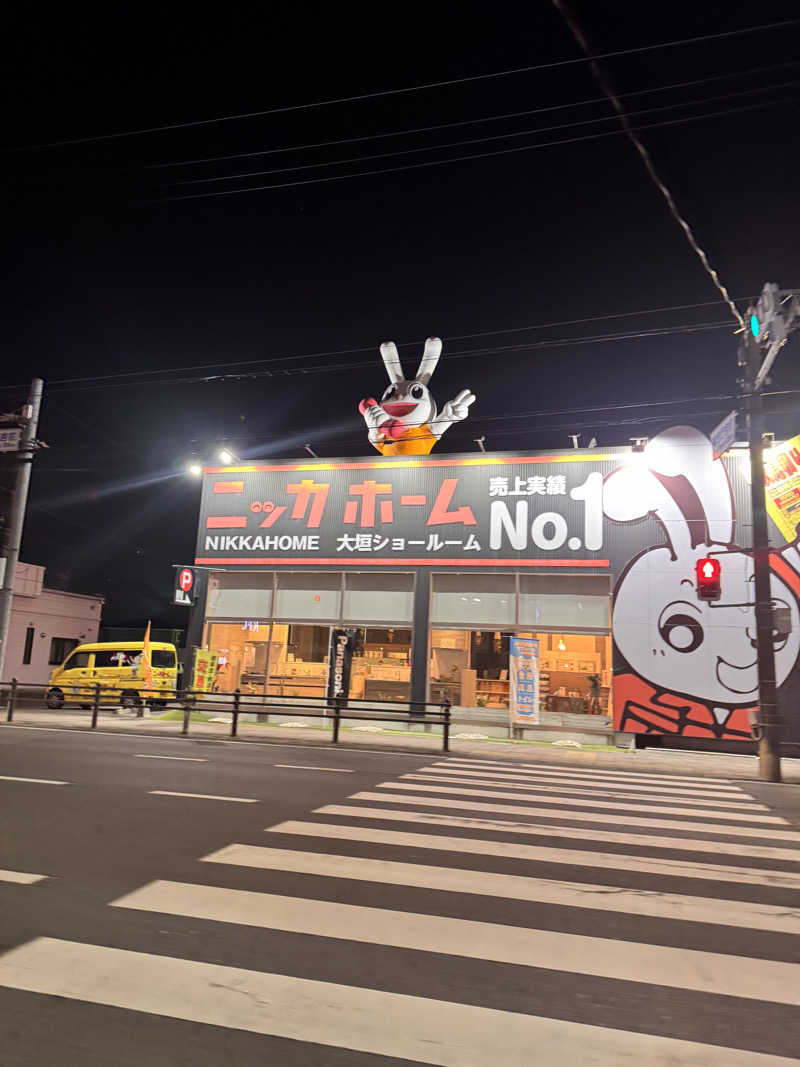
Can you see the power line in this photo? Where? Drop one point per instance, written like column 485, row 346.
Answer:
column 371, row 348
column 462, row 159
column 331, row 368
column 407, row 89
column 467, row 122
column 483, row 140
column 605, row 85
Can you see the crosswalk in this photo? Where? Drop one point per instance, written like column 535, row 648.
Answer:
column 605, row 917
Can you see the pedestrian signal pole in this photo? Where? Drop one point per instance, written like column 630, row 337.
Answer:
column 769, row 324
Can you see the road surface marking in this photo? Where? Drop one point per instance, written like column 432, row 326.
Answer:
column 21, row 877
column 649, row 902
column 532, row 829
column 567, row 802
column 340, row 1016
column 585, row 781
column 582, row 816
column 36, row 781
column 742, row 804
column 303, row 767
column 591, row 771
column 541, row 854
column 202, row 796
column 183, row 759
column 626, row 961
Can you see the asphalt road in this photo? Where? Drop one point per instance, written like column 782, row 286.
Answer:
column 456, row 911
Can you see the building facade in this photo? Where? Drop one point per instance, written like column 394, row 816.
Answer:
column 46, row 624
column 441, row 560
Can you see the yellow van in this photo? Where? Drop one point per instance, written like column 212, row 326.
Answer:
column 117, row 667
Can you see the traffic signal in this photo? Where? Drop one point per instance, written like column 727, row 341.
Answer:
column 709, row 578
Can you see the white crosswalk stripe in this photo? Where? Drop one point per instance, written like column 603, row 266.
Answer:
column 580, row 816
column 389, row 1024
column 743, row 804
column 401, row 868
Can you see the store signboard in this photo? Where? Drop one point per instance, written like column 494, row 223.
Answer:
column 205, row 670
column 782, row 481
column 509, row 511
column 523, row 674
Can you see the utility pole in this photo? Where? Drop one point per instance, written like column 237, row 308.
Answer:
column 770, row 322
column 19, row 501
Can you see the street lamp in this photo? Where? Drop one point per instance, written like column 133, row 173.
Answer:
column 226, row 456
column 195, row 469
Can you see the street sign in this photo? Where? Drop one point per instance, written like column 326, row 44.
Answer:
column 184, row 586
column 724, row 435
column 9, row 439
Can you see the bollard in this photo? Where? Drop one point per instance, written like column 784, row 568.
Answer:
column 95, row 704
column 446, row 725
column 336, row 719
column 235, row 722
column 187, row 711
column 12, row 699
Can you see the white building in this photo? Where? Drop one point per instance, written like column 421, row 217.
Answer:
column 46, row 624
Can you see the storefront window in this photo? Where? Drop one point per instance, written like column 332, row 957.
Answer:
column 379, row 597
column 308, row 596
column 299, row 660
column 470, row 669
column 474, row 598
column 383, row 671
column 569, row 601
column 243, row 595
column 242, row 650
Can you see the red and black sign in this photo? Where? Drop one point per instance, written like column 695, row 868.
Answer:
column 506, row 510
column 184, row 586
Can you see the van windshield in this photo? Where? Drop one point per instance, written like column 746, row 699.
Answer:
column 77, row 659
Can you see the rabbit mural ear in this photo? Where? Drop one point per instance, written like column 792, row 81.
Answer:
column 430, row 357
column 391, row 360
column 690, row 498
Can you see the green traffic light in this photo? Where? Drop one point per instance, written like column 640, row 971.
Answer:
column 755, row 326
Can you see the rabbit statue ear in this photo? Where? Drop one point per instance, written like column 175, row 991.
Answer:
column 430, row 357
column 391, row 360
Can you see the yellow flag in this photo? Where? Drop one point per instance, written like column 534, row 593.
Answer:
column 147, row 667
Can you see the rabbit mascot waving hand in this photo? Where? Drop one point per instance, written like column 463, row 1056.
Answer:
column 406, row 422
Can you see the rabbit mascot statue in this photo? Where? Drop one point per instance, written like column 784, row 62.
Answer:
column 690, row 665
column 405, row 422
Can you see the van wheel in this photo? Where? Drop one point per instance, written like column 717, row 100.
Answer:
column 86, row 706
column 129, row 699
column 54, row 699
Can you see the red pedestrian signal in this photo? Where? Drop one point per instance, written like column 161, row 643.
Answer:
column 708, row 572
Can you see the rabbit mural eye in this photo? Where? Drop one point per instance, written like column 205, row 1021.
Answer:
column 681, row 666
column 681, row 630
column 406, row 422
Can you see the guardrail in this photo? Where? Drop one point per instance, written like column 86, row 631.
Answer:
column 93, row 696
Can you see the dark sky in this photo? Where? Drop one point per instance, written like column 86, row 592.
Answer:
column 107, row 276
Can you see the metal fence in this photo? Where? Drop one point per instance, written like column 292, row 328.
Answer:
column 92, row 696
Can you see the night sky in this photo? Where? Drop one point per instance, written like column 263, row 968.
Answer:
column 109, row 274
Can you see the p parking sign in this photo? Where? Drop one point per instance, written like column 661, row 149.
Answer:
column 184, row 586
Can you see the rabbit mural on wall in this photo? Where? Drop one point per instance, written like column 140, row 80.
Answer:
column 690, row 665
column 406, row 422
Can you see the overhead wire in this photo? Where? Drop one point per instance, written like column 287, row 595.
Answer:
column 377, row 94
column 664, row 309
column 481, row 140
column 467, row 122
column 602, row 80
column 65, row 385
column 460, row 159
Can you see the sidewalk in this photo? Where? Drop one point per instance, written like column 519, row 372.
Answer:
column 651, row 761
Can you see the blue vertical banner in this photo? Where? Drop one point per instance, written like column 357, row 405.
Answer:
column 523, row 673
